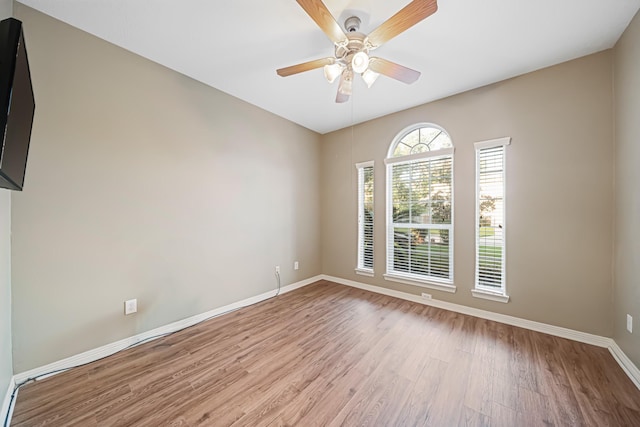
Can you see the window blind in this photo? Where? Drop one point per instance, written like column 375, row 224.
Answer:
column 490, row 218
column 365, row 217
column 419, row 245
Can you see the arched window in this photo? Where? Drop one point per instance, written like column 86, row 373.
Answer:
column 420, row 207
column 420, row 139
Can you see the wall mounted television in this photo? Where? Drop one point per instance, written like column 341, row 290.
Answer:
column 17, row 105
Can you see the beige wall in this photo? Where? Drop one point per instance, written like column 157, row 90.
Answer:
column 6, row 364
column 145, row 184
column 559, row 191
column 627, row 179
column 6, row 9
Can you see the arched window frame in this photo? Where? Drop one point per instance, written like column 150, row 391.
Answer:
column 405, row 273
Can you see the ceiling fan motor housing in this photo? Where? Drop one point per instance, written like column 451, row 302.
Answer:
column 355, row 43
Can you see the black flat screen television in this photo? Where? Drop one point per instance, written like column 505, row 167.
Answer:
column 17, row 105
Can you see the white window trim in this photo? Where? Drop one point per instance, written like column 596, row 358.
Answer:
column 491, row 296
column 491, row 143
column 407, row 278
column 418, row 281
column 360, row 269
column 480, row 291
column 365, row 272
column 361, row 165
column 444, row 152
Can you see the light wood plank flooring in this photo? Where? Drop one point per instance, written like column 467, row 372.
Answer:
column 328, row 354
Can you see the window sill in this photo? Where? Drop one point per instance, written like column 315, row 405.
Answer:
column 491, row 296
column 363, row 272
column 422, row 283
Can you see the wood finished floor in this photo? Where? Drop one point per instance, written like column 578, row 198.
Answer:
column 328, row 354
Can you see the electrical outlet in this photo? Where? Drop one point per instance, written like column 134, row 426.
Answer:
column 277, row 269
column 426, row 295
column 130, row 306
column 629, row 323
column 296, row 265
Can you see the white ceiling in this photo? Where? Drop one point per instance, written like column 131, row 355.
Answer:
column 236, row 46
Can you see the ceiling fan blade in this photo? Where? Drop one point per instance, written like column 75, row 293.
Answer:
column 305, row 66
column 321, row 15
column 406, row 18
column 393, row 70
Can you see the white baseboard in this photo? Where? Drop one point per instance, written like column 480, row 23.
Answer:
column 489, row 315
column 625, row 363
column 108, row 349
column 6, row 402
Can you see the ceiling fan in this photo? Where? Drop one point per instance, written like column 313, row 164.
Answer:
column 352, row 48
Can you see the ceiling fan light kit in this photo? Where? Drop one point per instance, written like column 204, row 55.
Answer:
column 370, row 77
column 346, row 82
column 352, row 48
column 360, row 62
column 332, row 71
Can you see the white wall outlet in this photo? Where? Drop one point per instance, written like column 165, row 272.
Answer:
column 130, row 306
column 296, row 265
column 426, row 295
column 278, row 269
column 629, row 323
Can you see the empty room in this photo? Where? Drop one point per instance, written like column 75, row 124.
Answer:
column 320, row 212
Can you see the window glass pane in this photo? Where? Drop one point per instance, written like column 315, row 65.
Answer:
column 401, row 249
column 440, row 212
column 421, row 192
column 419, row 148
column 428, row 134
column 440, row 142
column 402, row 149
column 422, row 140
column 412, row 138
